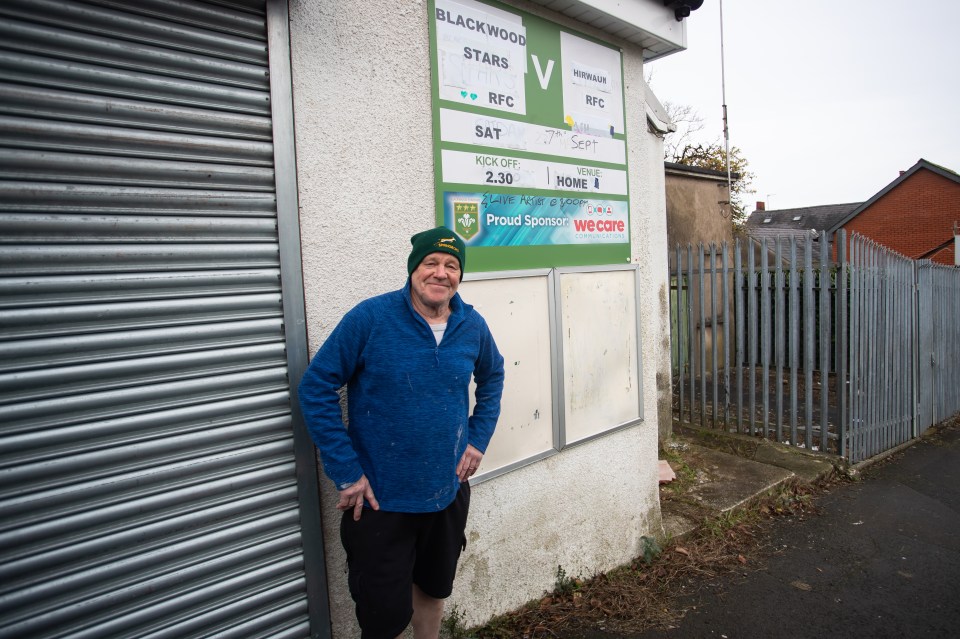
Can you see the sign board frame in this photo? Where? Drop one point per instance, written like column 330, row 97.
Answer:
column 529, row 138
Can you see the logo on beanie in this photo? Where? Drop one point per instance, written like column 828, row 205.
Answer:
column 466, row 217
column 444, row 243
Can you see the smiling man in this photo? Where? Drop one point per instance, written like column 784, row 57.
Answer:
column 402, row 465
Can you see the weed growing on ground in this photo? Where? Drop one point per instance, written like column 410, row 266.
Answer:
column 566, row 585
column 452, row 626
column 720, row 525
column 651, row 549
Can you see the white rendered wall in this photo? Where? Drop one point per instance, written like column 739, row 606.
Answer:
column 365, row 172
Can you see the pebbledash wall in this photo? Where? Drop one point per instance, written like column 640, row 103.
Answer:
column 362, row 96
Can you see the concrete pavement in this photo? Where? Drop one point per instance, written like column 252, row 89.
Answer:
column 730, row 471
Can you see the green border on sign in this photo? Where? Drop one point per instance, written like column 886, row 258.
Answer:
column 543, row 107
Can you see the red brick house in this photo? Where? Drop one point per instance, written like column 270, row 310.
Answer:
column 915, row 215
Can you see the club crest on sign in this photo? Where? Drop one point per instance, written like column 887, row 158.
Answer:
column 466, row 217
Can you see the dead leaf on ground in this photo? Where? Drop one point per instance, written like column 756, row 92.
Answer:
column 799, row 585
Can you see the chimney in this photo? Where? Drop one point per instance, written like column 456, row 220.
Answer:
column 761, row 206
column 902, row 172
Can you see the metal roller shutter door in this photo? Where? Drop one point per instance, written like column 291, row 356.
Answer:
column 148, row 463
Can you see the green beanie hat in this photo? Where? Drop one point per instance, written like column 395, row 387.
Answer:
column 438, row 240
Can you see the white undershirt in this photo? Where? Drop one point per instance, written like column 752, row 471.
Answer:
column 438, row 330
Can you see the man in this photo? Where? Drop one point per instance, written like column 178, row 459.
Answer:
column 402, row 465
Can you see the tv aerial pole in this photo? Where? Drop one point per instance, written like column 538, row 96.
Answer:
column 726, row 126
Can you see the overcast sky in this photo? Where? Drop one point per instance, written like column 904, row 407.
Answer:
column 827, row 99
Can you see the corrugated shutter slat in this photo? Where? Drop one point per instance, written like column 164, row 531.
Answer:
column 51, row 103
column 38, row 71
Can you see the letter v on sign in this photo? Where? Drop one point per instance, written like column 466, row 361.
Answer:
column 544, row 77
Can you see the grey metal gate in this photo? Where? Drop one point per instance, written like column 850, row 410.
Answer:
column 882, row 329
column 938, row 320
column 149, row 453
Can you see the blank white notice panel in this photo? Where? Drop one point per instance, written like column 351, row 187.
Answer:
column 600, row 340
column 517, row 311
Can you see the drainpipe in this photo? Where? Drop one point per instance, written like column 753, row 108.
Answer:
column 956, row 243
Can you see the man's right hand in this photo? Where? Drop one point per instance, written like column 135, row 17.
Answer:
column 352, row 497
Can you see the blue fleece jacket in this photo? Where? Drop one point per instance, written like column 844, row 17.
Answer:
column 407, row 400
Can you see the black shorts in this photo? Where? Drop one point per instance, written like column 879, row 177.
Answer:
column 388, row 552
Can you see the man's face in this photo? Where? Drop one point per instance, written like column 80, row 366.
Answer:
column 435, row 280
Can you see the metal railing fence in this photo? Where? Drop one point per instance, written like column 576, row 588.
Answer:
column 840, row 346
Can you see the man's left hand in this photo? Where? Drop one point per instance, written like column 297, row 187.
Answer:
column 469, row 463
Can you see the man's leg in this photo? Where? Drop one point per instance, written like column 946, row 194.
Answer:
column 438, row 550
column 380, row 556
column 427, row 615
